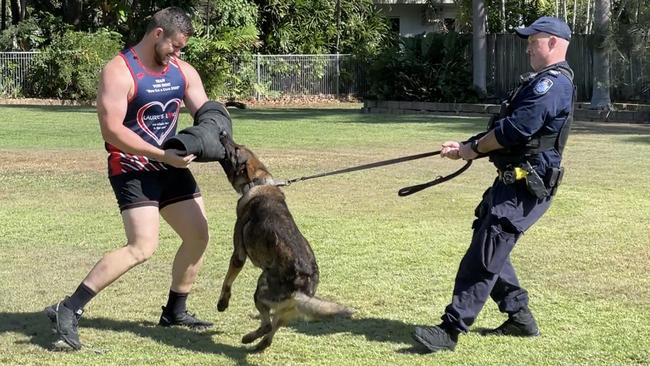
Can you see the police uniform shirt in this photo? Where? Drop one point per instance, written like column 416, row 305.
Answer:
column 541, row 106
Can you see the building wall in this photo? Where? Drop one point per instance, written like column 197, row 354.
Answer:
column 412, row 19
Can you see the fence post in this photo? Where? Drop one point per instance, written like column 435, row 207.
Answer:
column 338, row 73
column 257, row 90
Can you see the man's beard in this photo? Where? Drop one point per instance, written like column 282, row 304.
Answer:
column 160, row 59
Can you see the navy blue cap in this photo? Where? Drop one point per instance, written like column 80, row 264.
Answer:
column 550, row 25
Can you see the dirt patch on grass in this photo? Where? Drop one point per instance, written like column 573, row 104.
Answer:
column 51, row 160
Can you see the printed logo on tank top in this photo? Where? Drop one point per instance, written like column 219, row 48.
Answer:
column 157, row 120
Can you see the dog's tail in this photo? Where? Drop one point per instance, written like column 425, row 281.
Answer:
column 315, row 308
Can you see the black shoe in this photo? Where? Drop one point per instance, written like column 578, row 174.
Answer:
column 184, row 319
column 65, row 323
column 435, row 338
column 519, row 324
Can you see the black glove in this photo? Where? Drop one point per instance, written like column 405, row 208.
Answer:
column 202, row 139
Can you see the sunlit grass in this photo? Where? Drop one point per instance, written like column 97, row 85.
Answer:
column 393, row 259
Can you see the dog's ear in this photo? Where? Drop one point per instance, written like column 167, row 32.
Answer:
column 251, row 167
column 241, row 162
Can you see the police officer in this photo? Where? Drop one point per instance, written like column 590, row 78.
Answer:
column 525, row 143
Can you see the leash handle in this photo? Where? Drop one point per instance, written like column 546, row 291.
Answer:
column 406, row 191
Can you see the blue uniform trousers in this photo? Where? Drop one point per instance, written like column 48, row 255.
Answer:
column 503, row 215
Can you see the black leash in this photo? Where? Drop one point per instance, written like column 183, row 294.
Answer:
column 402, row 192
column 440, row 179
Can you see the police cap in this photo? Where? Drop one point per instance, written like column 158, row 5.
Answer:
column 550, row 25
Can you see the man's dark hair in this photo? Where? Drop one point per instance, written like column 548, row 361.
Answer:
column 172, row 20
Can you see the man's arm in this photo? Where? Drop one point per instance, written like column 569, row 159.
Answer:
column 457, row 150
column 115, row 86
column 481, row 146
column 195, row 95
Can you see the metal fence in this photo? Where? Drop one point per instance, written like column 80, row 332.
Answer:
column 276, row 75
column 298, row 75
column 342, row 75
column 14, row 68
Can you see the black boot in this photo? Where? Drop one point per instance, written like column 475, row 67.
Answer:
column 436, row 338
column 184, row 319
column 65, row 323
column 519, row 324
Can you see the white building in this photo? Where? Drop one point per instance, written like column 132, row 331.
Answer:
column 413, row 17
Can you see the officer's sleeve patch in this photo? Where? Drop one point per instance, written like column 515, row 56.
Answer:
column 543, row 86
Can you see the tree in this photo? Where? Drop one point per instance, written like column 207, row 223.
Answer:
column 72, row 11
column 479, row 47
column 303, row 27
column 600, row 98
column 18, row 8
column 3, row 15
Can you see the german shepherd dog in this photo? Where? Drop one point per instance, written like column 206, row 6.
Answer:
column 266, row 233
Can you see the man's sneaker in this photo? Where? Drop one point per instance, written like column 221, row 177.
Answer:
column 519, row 324
column 65, row 323
column 184, row 319
column 435, row 338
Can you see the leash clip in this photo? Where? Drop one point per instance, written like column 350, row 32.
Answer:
column 281, row 183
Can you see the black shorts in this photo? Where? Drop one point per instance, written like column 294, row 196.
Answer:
column 160, row 188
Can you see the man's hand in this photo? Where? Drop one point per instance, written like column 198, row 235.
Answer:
column 450, row 150
column 174, row 158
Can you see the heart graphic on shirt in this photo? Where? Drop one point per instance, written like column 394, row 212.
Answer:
column 158, row 120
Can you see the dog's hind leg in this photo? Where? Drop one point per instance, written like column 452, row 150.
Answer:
column 237, row 261
column 281, row 317
column 263, row 308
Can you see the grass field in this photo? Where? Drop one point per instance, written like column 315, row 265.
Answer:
column 393, row 259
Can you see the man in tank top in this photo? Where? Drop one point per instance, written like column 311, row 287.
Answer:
column 138, row 105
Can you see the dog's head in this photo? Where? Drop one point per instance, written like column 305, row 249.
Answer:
column 241, row 165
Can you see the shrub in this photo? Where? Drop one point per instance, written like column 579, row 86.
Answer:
column 433, row 68
column 69, row 68
column 221, row 48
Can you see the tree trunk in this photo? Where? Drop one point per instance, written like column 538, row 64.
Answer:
column 575, row 12
column 72, row 10
column 479, row 48
column 600, row 98
column 588, row 19
column 3, row 25
column 503, row 16
column 17, row 11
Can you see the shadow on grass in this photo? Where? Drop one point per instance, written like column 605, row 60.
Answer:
column 352, row 116
column 53, row 108
column 38, row 328
column 610, row 128
column 373, row 329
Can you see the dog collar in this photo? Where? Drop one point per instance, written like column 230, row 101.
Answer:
column 255, row 183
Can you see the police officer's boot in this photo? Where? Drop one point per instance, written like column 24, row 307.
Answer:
column 436, row 338
column 519, row 324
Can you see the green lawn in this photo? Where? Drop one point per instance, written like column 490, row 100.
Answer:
column 393, row 259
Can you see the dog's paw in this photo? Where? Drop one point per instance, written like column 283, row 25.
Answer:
column 264, row 344
column 222, row 305
column 249, row 338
